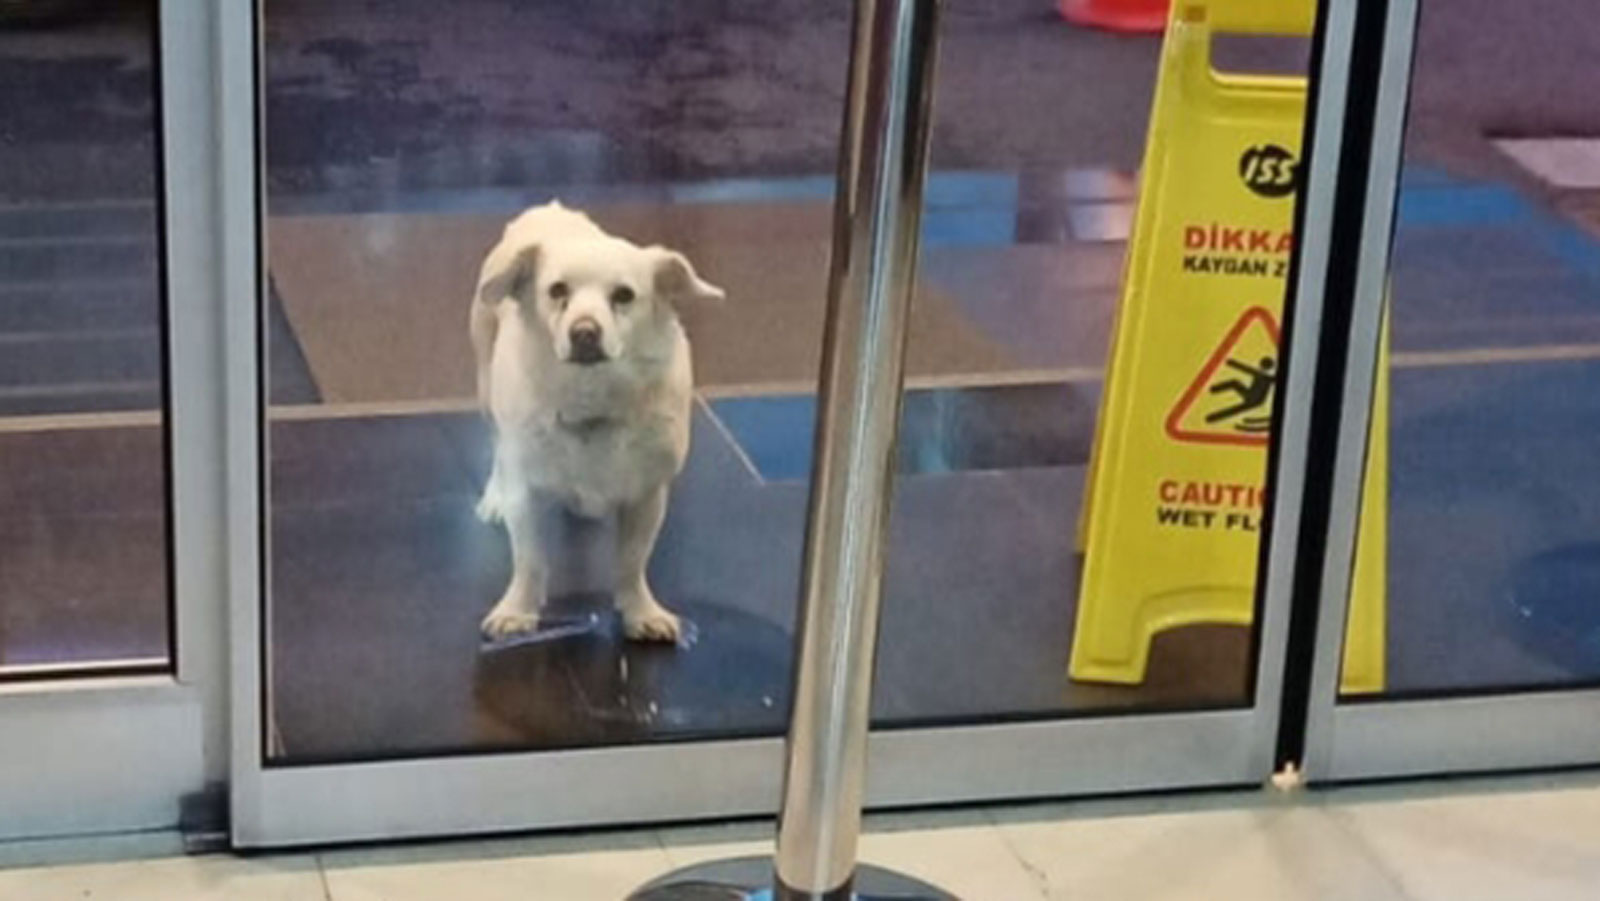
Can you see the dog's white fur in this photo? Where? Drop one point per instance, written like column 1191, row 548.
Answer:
column 603, row 438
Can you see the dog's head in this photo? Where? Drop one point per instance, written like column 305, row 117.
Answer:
column 598, row 296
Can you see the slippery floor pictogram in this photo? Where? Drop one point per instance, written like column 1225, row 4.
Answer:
column 1230, row 399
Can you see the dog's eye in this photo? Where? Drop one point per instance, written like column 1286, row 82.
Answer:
column 622, row 296
column 559, row 291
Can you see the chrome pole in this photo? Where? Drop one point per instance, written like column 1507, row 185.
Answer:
column 877, row 217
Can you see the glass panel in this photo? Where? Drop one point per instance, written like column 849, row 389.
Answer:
column 399, row 145
column 1494, row 541
column 83, row 557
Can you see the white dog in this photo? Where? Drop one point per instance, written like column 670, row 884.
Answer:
column 585, row 372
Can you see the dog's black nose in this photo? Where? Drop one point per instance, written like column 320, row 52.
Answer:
column 585, row 339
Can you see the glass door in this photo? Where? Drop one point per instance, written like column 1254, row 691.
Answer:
column 497, row 592
column 1488, row 186
column 110, row 595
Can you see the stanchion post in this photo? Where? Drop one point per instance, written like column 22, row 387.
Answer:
column 877, row 217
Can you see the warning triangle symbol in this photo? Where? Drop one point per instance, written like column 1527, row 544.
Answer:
column 1230, row 399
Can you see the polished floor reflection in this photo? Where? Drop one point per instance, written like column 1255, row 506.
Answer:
column 382, row 573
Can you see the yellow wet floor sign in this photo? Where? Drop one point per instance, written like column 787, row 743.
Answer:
column 1174, row 506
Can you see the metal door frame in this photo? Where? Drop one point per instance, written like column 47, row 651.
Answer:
column 306, row 804
column 1384, row 738
column 168, row 730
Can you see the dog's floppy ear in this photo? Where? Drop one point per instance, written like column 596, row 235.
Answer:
column 676, row 279
column 507, row 271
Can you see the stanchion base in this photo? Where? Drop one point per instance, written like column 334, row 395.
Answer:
column 750, row 879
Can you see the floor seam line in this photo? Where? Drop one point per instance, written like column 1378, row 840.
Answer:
column 1039, row 878
column 322, row 877
column 1337, row 816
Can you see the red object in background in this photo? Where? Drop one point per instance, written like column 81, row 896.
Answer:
column 1145, row 16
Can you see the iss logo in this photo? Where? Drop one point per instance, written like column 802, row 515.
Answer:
column 1269, row 170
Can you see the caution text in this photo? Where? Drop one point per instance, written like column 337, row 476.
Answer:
column 1231, row 506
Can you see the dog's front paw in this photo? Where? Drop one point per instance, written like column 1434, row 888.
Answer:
column 659, row 624
column 503, row 622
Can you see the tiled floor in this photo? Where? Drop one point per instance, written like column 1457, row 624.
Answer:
column 1528, row 838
